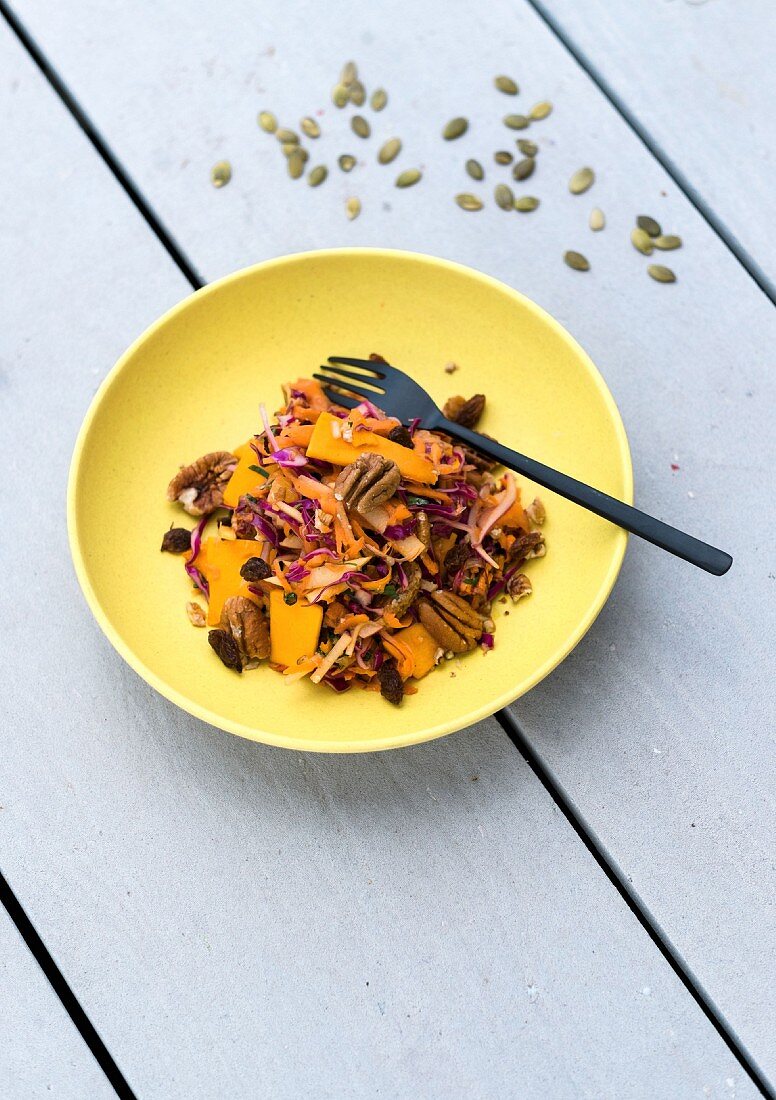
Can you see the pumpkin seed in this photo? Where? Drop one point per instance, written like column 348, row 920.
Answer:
column 317, row 175
column 597, row 219
column 287, row 137
column 349, row 73
column 467, row 201
column 526, row 203
column 503, row 157
column 295, row 164
column 642, row 241
column 288, row 148
column 360, row 126
column 454, row 128
column 268, row 122
column 667, row 243
column 541, row 110
column 221, row 173
column 389, row 151
column 516, row 122
column 524, row 168
column 504, row 197
column 346, row 162
column 379, row 99
column 581, row 181
column 506, row 85
column 475, row 169
column 576, row 260
column 527, row 148
column 661, row 274
column 357, row 94
column 310, row 127
column 340, row 95
column 649, row 225
column 408, row 177
column 353, row 208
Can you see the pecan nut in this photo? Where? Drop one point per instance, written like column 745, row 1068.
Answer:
column 451, row 621
column 423, row 529
column 367, row 482
column 195, row 613
column 246, row 623
column 535, row 512
column 465, row 412
column 518, row 586
column 404, row 599
column 526, row 547
column 457, row 557
column 200, row 486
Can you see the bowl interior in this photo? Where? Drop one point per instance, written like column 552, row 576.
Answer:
column 193, row 382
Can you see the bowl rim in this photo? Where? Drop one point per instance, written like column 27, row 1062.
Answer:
column 390, row 741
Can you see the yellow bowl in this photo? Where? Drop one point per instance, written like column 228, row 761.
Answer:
column 192, row 383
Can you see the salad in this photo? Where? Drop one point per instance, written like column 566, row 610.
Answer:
column 344, row 546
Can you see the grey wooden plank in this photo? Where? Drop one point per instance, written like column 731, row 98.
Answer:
column 41, row 1053
column 699, row 78
column 237, row 919
column 688, row 365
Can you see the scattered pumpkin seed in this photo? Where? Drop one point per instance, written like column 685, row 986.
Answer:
column 389, row 151
column 295, row 164
column 408, row 177
column 541, row 110
column 379, row 99
column 357, row 94
column 526, row 203
column 661, row 274
column 346, row 162
column 288, row 148
column 349, row 73
column 353, row 208
column 642, row 241
column 506, row 85
column 221, row 173
column 268, row 122
column 597, row 219
column 286, row 137
column 504, row 197
column 340, row 95
column 454, row 128
column 667, row 243
column 649, row 225
column 516, row 122
column 527, row 148
column 360, row 126
column 317, row 175
column 475, row 169
column 581, row 181
column 503, row 157
column 466, row 201
column 310, row 127
column 524, row 168
column 576, row 260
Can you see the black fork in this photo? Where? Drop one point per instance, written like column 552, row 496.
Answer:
column 350, row 381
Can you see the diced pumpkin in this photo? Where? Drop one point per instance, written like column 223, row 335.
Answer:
column 515, row 515
column 243, row 480
column 326, row 446
column 220, row 560
column 414, row 649
column 293, row 629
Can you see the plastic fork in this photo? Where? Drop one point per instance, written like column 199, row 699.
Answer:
column 349, row 381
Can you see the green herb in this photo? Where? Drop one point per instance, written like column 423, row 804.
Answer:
column 258, row 470
column 252, row 499
column 390, row 590
column 417, row 500
column 290, row 597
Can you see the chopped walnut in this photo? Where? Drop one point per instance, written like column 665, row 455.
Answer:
column 247, row 624
column 526, row 547
column 391, row 686
column 463, row 412
column 226, row 648
column 451, row 368
column 451, row 621
column 177, row 540
column 367, row 482
column 195, row 613
column 401, row 436
column 535, row 512
column 518, row 586
column 404, row 599
column 200, row 486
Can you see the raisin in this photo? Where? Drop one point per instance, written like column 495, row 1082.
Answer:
column 255, row 569
column 391, row 686
column 226, row 648
column 376, row 358
column 177, row 540
column 401, row 436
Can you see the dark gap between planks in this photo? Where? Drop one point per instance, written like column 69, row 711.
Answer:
column 503, row 717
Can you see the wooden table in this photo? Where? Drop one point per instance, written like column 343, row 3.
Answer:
column 576, row 900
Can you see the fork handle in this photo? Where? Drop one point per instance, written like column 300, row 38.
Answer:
column 638, row 523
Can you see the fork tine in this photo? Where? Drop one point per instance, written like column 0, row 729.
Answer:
column 377, row 367
column 362, row 379
column 340, row 398
column 346, row 387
